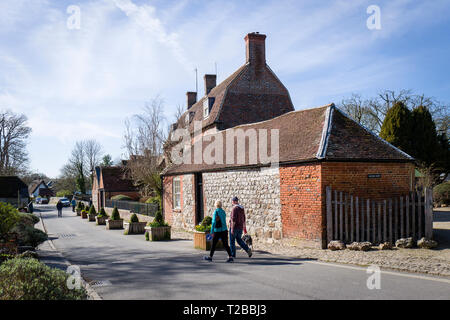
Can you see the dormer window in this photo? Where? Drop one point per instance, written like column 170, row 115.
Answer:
column 207, row 106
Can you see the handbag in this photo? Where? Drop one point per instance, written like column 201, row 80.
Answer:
column 218, row 221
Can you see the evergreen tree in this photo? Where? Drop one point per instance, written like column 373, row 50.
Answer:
column 424, row 139
column 397, row 127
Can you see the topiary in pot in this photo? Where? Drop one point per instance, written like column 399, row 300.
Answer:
column 134, row 226
column 114, row 222
column 158, row 228
column 101, row 217
column 84, row 214
column 92, row 213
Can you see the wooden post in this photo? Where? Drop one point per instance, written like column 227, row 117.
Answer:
column 413, row 200
column 396, row 219
column 341, row 220
column 428, row 213
column 374, row 216
column 384, row 221
column 336, row 214
column 368, row 219
column 402, row 233
column 391, row 238
column 329, row 216
column 408, row 231
column 352, row 219
column 357, row 218
column 419, row 215
column 379, row 222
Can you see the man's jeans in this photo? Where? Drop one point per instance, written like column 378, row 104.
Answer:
column 237, row 235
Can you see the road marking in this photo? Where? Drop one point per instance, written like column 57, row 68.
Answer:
column 382, row 271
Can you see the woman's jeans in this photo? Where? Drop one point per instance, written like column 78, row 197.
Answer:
column 220, row 235
column 237, row 235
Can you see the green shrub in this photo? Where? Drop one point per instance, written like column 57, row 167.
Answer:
column 147, row 236
column 207, row 221
column 28, row 235
column 80, row 205
column 153, row 200
column 134, row 218
column 9, row 217
column 92, row 210
column 27, row 218
column 121, row 197
column 29, row 279
column 441, row 193
column 115, row 215
column 102, row 213
column 202, row 228
column 158, row 221
column 64, row 193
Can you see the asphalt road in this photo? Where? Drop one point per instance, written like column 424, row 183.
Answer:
column 128, row 267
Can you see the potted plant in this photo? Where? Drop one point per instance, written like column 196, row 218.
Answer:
column 84, row 214
column 100, row 219
column 134, row 226
column 114, row 222
column 92, row 214
column 158, row 229
column 202, row 236
column 80, row 207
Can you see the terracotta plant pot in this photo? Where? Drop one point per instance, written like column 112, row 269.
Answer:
column 135, row 227
column 159, row 233
column 114, row 224
column 101, row 221
column 201, row 242
column 91, row 217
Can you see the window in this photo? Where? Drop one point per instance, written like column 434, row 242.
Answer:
column 207, row 106
column 176, row 193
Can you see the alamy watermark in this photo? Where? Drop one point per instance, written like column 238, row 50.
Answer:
column 74, row 19
column 232, row 146
column 74, row 280
column 374, row 280
column 374, row 20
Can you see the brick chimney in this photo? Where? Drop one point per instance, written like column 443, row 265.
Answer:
column 255, row 44
column 210, row 82
column 191, row 99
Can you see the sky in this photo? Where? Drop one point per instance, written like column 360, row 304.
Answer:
column 78, row 74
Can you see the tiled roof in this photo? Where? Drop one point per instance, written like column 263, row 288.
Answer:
column 323, row 133
column 10, row 185
column 116, row 179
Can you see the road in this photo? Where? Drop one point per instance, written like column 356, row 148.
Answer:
column 128, row 267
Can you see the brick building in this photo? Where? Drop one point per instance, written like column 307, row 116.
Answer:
column 316, row 148
column 109, row 182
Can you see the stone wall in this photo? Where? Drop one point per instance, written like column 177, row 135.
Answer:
column 180, row 218
column 259, row 193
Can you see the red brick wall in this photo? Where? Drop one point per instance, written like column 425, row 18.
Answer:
column 396, row 178
column 302, row 191
column 301, row 202
column 168, row 206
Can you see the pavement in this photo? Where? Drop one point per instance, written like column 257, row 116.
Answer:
column 126, row 267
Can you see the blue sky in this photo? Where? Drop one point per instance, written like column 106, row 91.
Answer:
column 82, row 83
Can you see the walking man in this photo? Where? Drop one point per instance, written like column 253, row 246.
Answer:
column 59, row 206
column 237, row 227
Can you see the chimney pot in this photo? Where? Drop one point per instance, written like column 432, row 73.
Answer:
column 191, row 99
column 210, row 82
column 256, row 49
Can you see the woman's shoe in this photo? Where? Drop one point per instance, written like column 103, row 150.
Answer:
column 230, row 260
column 207, row 258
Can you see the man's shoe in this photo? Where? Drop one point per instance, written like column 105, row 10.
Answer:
column 250, row 253
column 207, row 258
column 230, row 260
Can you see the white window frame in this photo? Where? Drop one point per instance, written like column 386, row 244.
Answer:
column 176, row 192
column 206, row 108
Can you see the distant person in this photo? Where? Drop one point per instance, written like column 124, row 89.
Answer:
column 219, row 231
column 59, row 206
column 237, row 227
column 74, row 204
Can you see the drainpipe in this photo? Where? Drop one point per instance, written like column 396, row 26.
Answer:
column 162, row 197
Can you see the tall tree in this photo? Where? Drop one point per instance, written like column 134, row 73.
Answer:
column 397, row 127
column 93, row 153
column 144, row 138
column 424, row 140
column 107, row 161
column 14, row 133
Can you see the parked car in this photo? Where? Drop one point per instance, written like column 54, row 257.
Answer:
column 65, row 202
column 41, row 200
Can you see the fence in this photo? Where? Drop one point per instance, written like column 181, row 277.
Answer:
column 351, row 218
column 148, row 209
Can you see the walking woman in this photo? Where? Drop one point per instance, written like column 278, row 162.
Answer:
column 219, row 231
